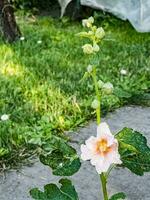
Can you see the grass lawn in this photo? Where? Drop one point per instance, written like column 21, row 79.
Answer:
column 39, row 83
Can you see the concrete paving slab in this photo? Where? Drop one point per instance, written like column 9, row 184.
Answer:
column 16, row 185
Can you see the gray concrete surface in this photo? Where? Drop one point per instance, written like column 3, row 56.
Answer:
column 17, row 184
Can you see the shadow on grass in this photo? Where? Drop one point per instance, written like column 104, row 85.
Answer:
column 40, row 81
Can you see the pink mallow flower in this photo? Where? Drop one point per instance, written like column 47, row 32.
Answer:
column 102, row 151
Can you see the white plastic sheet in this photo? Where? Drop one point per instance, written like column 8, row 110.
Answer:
column 136, row 11
column 63, row 4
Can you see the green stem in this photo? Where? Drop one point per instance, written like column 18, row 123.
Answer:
column 98, row 113
column 104, row 182
column 98, row 110
column 109, row 170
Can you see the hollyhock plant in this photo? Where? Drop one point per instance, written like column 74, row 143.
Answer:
column 128, row 148
column 105, row 151
column 102, row 151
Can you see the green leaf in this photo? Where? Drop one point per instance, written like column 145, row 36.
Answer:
column 35, row 140
column 122, row 93
column 135, row 154
column 52, row 192
column 61, row 157
column 3, row 151
column 68, row 188
column 141, row 99
column 84, row 34
column 118, row 196
column 86, row 75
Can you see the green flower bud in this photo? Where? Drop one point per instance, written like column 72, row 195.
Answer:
column 94, row 28
column 90, row 33
column 95, row 104
column 107, row 88
column 87, row 49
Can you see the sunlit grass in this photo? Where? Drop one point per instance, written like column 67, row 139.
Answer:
column 40, row 83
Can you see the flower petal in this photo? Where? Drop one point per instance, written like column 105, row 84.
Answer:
column 97, row 159
column 110, row 140
column 103, row 167
column 91, row 143
column 114, row 157
column 103, row 129
column 98, row 169
column 102, row 151
column 85, row 153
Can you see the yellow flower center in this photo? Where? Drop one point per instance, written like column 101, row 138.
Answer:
column 102, row 147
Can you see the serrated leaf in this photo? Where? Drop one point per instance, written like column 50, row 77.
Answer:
column 61, row 157
column 52, row 192
column 118, row 196
column 135, row 154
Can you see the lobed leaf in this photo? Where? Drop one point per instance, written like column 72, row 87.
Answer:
column 52, row 192
column 135, row 154
column 61, row 157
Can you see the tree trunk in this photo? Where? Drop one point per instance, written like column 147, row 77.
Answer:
column 9, row 27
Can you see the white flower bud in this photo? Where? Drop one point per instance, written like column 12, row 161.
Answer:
column 95, row 104
column 108, row 88
column 87, row 49
column 94, row 28
column 4, row 117
column 88, row 22
column 100, row 33
column 123, row 72
column 84, row 22
column 96, row 47
column 91, row 20
column 100, row 84
column 89, row 68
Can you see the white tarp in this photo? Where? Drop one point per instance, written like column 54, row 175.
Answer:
column 136, row 11
column 63, row 4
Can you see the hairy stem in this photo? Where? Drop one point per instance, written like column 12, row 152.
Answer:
column 98, row 113
column 98, row 110
column 104, row 182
